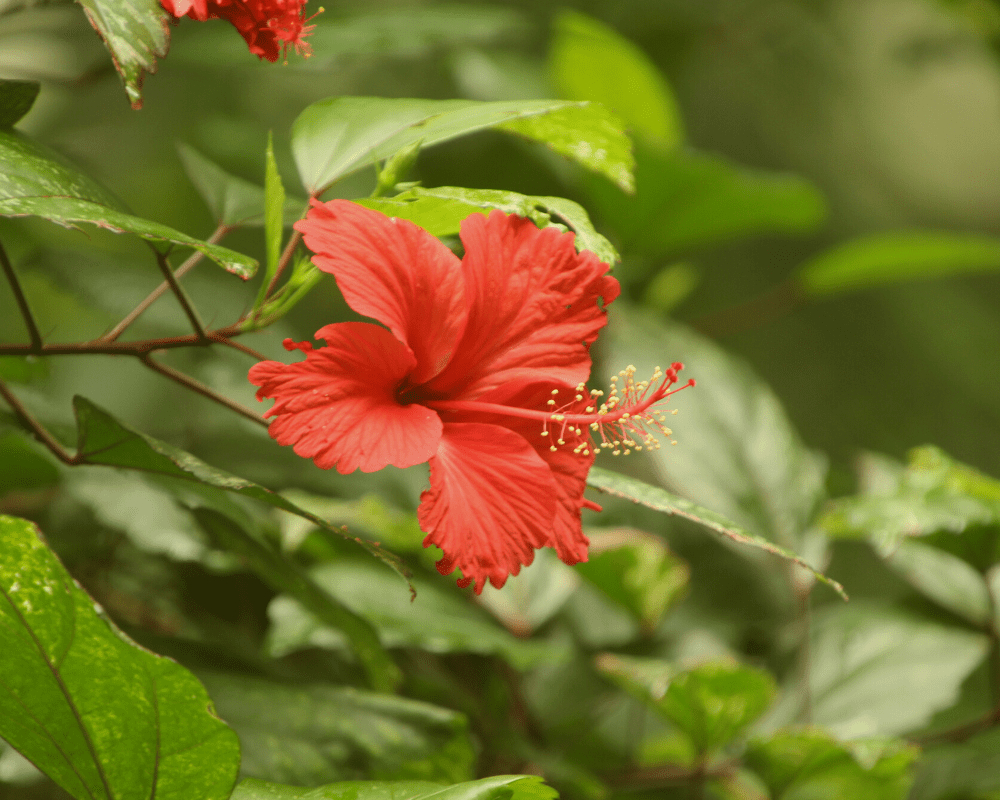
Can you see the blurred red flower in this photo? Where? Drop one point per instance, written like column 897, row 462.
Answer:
column 268, row 26
column 480, row 373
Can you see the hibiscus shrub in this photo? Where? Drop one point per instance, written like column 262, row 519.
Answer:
column 594, row 589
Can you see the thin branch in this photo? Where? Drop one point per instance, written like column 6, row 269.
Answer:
column 196, row 386
column 217, row 235
column 22, row 301
column 37, row 428
column 181, row 295
column 242, row 348
column 283, row 262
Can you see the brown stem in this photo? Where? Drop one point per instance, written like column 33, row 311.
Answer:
column 22, row 301
column 196, row 386
column 37, row 428
column 180, row 272
column 242, row 348
column 181, row 295
column 137, row 348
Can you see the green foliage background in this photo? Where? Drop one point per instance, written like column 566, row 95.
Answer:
column 813, row 231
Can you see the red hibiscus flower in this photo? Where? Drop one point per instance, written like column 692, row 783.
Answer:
column 268, row 26
column 479, row 371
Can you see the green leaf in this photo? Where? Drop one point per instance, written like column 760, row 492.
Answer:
column 313, row 734
column 135, row 32
column 22, row 467
column 103, row 440
column 687, row 200
column 23, row 369
column 16, row 100
column 337, row 136
column 36, row 182
column 395, row 168
column 440, row 211
column 234, row 202
column 807, row 764
column 590, row 135
column 274, row 223
column 637, row 570
column 591, row 61
column 879, row 672
column 710, row 704
column 285, row 575
column 737, row 453
column 661, row 500
column 944, row 578
column 498, row 787
column 98, row 714
column 933, row 493
column 439, row 619
column 959, row 769
column 886, row 258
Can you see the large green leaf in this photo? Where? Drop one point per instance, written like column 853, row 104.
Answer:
column 932, row 493
column 660, row 499
column 135, row 32
column 103, row 440
column 737, row 453
column 16, row 100
column 687, row 200
column 876, row 672
column 36, row 182
column 439, row 619
column 105, row 719
column 339, row 135
column 313, row 734
column 591, row 61
column 441, row 210
column 499, row 787
column 710, row 704
column 886, row 258
column 808, row 764
column 233, row 201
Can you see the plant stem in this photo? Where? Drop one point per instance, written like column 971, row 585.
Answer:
column 181, row 295
column 283, row 262
column 36, row 427
column 180, row 272
column 196, row 386
column 20, row 299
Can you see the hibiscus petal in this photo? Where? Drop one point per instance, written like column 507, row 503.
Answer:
column 535, row 307
column 391, row 270
column 339, row 406
column 490, row 505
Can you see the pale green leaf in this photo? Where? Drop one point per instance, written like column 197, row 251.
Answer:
column 498, row 787
column 944, row 578
column 591, row 61
column 886, row 258
column 102, row 717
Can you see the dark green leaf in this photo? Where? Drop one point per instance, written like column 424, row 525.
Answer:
column 22, row 467
column 105, row 441
column 441, row 210
column 933, row 493
column 337, row 136
column 36, row 182
column 499, row 787
column 591, row 61
column 886, row 258
column 737, row 453
column 687, row 200
column 590, row 135
column 234, row 202
column 135, row 32
column 806, row 764
column 710, row 704
column 661, row 500
column 959, row 769
column 879, row 672
column 16, row 100
column 637, row 570
column 313, row 734
column 439, row 619
column 99, row 715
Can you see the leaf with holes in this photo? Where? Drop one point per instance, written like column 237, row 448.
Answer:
column 102, row 717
